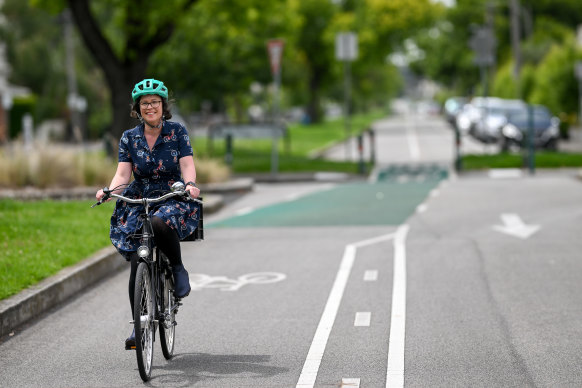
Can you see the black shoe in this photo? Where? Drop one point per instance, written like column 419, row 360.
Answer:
column 130, row 342
column 181, row 281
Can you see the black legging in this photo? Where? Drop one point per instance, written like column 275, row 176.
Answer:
column 167, row 240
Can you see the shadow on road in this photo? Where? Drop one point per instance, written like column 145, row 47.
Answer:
column 189, row 368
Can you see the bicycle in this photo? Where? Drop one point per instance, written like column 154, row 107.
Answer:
column 154, row 302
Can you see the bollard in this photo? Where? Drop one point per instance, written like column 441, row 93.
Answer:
column 531, row 163
column 361, row 165
column 372, row 134
column 228, row 157
column 458, row 159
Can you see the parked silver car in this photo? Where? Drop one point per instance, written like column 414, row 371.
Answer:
column 453, row 106
column 546, row 129
column 483, row 117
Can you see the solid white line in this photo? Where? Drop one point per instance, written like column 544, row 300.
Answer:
column 363, row 318
column 395, row 369
column 317, row 348
column 350, row 382
column 244, row 210
column 374, row 240
column 371, row 275
column 315, row 354
column 422, row 208
column 505, row 173
column 412, row 138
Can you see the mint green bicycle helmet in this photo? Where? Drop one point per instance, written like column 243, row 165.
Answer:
column 149, row 86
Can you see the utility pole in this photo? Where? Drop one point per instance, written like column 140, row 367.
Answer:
column 346, row 50
column 73, row 99
column 515, row 43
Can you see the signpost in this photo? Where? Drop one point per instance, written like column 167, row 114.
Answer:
column 483, row 44
column 346, row 50
column 275, row 48
column 578, row 73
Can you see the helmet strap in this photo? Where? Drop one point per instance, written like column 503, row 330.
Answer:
column 159, row 125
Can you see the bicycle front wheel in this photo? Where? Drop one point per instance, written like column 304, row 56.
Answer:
column 168, row 324
column 144, row 321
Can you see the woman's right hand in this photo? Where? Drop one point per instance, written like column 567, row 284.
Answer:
column 100, row 194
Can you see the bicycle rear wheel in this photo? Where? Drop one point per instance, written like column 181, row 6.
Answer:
column 168, row 324
column 144, row 321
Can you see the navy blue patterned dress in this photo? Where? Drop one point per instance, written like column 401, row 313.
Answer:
column 154, row 173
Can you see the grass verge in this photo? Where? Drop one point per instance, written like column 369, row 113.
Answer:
column 543, row 159
column 38, row 239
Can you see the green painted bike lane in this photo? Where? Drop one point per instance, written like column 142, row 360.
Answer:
column 387, row 202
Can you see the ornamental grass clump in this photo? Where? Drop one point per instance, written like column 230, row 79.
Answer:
column 62, row 166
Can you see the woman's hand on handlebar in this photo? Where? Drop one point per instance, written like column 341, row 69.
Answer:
column 100, row 194
column 193, row 191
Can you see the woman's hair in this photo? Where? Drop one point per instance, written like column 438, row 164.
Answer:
column 166, row 106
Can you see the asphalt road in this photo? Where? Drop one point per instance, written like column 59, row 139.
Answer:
column 410, row 280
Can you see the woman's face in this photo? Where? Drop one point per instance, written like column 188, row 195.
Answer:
column 151, row 108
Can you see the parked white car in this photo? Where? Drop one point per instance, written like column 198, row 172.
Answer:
column 484, row 117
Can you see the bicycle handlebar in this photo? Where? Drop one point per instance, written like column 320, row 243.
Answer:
column 146, row 201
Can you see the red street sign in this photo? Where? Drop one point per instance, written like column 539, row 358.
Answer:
column 275, row 47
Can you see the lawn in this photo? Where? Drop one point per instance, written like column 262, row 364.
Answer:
column 543, row 159
column 40, row 238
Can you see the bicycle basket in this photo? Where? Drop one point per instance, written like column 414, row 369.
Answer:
column 198, row 234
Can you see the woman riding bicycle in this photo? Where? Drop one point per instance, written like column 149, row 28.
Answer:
column 158, row 153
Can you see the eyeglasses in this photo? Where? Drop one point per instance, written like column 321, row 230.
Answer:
column 153, row 104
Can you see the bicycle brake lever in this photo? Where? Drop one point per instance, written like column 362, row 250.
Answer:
column 107, row 193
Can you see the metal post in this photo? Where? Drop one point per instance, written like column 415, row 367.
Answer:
column 458, row 160
column 71, row 75
column 275, row 153
column 228, row 157
column 347, row 87
column 515, row 43
column 530, row 140
column 372, row 146
column 361, row 165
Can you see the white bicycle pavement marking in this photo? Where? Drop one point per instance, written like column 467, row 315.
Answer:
column 199, row 281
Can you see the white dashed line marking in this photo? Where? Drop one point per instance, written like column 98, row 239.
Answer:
column 371, row 275
column 363, row 319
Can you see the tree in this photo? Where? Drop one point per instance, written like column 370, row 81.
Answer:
column 123, row 49
column 317, row 49
column 219, row 51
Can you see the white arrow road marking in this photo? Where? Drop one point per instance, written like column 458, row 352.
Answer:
column 514, row 226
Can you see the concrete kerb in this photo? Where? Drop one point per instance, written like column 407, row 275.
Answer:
column 52, row 291
column 36, row 300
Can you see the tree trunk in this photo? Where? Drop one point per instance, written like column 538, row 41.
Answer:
column 314, row 106
column 123, row 73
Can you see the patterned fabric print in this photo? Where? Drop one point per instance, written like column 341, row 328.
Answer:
column 154, row 171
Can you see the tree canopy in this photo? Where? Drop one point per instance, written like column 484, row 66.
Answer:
column 214, row 50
